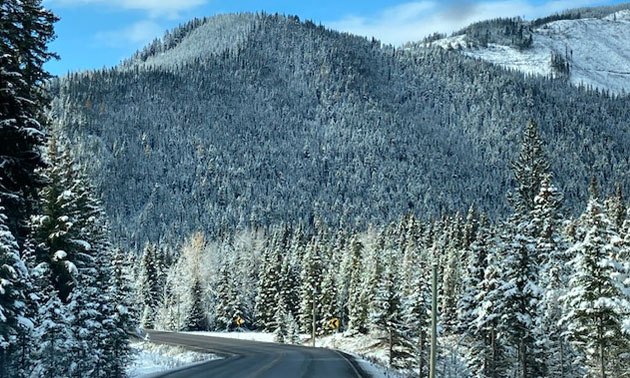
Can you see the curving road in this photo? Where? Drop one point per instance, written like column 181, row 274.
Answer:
column 252, row 359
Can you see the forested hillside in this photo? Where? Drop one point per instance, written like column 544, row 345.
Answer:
column 534, row 294
column 272, row 119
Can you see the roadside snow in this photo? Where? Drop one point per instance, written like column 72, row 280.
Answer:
column 154, row 358
column 250, row 336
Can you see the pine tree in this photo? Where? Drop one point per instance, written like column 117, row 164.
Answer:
column 13, row 280
column 355, row 299
column 555, row 352
column 594, row 324
column 415, row 314
column 385, row 310
column 57, row 230
column 328, row 299
column 310, row 289
column 487, row 356
column 615, row 208
column 26, row 29
column 122, row 322
column 53, row 335
column 521, row 261
column 224, row 311
column 280, row 325
column 269, row 286
column 529, row 170
column 148, row 291
column 197, row 315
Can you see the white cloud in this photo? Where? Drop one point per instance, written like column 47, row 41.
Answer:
column 136, row 35
column 413, row 21
column 155, row 8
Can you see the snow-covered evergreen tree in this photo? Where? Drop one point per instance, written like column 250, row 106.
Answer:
column 269, row 286
column 487, row 355
column 148, row 290
column 53, row 336
column 356, row 306
column 310, row 290
column 555, row 352
column 385, row 317
column 57, row 230
column 27, row 28
column 415, row 319
column 328, row 298
column 594, row 324
column 14, row 278
column 197, row 319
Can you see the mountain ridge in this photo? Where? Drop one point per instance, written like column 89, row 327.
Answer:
column 301, row 123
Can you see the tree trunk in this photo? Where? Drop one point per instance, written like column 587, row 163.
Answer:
column 600, row 336
column 421, row 354
column 561, row 357
column 523, row 358
column 493, row 342
column 391, row 347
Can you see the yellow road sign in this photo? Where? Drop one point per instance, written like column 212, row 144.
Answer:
column 239, row 321
column 334, row 323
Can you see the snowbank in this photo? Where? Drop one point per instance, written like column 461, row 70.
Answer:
column 251, row 336
column 154, row 358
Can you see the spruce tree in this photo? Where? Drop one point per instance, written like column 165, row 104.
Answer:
column 593, row 321
column 25, row 30
column 197, row 315
column 224, row 297
column 57, row 230
column 123, row 321
column 328, row 299
column 148, row 290
column 310, row 288
column 353, row 285
column 555, row 352
column 385, row 318
column 415, row 317
column 14, row 278
column 54, row 341
column 269, row 286
column 487, row 356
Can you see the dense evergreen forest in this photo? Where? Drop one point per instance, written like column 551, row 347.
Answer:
column 246, row 121
column 534, row 294
column 313, row 172
column 63, row 290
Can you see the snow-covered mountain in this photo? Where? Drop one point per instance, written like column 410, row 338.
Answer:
column 256, row 119
column 597, row 51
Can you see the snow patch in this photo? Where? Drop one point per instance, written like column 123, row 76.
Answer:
column 153, row 358
column 598, row 51
column 249, row 336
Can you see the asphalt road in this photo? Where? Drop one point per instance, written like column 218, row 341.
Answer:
column 251, row 359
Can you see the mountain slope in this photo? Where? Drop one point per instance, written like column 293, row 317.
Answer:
column 297, row 123
column 597, row 51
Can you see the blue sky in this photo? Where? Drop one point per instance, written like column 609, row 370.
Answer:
column 99, row 33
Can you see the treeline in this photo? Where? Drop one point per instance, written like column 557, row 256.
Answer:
column 505, row 31
column 536, row 294
column 63, row 294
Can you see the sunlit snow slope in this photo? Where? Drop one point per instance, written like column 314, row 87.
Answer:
column 598, row 51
